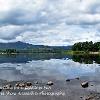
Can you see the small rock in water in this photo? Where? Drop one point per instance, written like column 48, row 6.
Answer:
column 91, row 84
column 81, row 97
column 36, row 82
column 18, row 64
column 17, row 84
column 77, row 78
column 0, row 90
column 98, row 98
column 7, row 87
column 50, row 83
column 20, row 85
column 68, row 80
column 28, row 84
column 85, row 84
column 90, row 98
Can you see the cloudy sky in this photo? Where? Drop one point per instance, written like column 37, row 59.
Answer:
column 49, row 22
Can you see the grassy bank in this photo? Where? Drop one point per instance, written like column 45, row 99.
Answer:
column 70, row 52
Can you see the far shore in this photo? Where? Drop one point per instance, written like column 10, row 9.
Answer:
column 27, row 53
column 94, row 53
column 67, row 52
column 70, row 52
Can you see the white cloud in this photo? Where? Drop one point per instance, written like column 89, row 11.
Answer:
column 49, row 22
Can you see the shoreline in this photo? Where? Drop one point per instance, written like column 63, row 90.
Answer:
column 67, row 90
column 71, row 52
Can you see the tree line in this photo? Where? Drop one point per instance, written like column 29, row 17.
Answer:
column 34, row 50
column 86, row 46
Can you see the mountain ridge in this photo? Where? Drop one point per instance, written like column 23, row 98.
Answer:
column 22, row 45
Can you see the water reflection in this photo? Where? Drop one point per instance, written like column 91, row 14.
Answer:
column 46, row 66
column 54, row 69
column 24, row 58
column 86, row 59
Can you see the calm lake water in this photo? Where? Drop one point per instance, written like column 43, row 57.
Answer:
column 47, row 66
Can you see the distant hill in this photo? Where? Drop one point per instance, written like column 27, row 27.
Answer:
column 21, row 45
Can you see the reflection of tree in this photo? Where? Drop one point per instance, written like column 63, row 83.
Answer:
column 87, row 59
column 10, row 55
column 97, row 59
column 26, row 57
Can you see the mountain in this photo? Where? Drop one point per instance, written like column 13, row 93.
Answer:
column 21, row 45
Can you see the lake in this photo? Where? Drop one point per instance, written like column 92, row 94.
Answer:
column 42, row 66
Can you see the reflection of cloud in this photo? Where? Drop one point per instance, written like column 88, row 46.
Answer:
column 97, row 70
column 10, row 74
column 49, row 22
column 54, row 68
